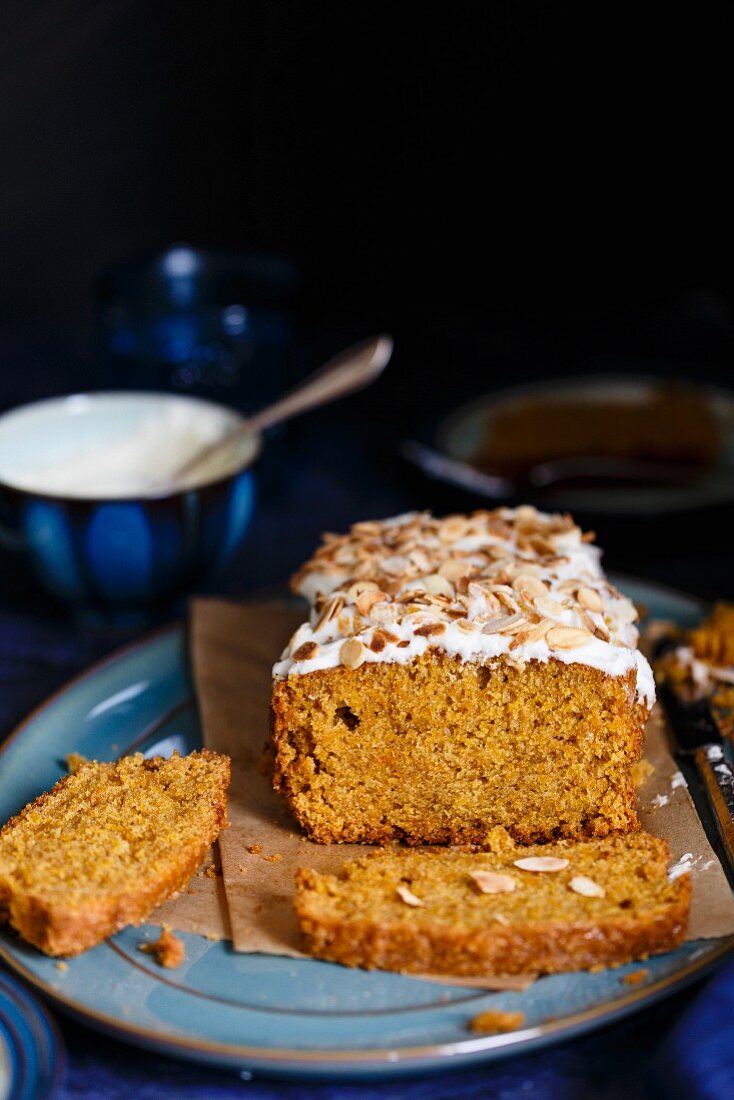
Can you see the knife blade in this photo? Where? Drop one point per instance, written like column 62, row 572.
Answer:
column 698, row 737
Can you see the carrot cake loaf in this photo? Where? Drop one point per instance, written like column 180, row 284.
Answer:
column 572, row 905
column 107, row 844
column 456, row 675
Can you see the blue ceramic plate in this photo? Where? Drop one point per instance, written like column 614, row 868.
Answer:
column 262, row 1014
column 31, row 1056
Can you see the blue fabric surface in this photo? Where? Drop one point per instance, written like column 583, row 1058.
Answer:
column 682, row 1047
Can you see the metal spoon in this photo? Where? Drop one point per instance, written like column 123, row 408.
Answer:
column 347, row 372
column 545, row 474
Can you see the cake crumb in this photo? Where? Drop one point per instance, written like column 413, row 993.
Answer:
column 213, row 936
column 641, row 772
column 62, row 966
column 493, row 1022
column 636, row 977
column 168, row 950
column 254, row 849
column 210, row 871
column 74, row 762
column 276, row 857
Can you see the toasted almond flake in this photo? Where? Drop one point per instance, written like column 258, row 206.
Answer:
column 501, row 919
column 330, row 611
column 452, row 529
column 367, row 600
column 394, row 565
column 408, row 896
column 420, row 560
column 590, row 599
column 541, row 864
column 548, row 607
column 491, row 882
column 355, row 590
column 497, row 626
column 352, row 653
column 539, row 631
column 534, row 586
column 567, row 637
column 455, row 568
column 362, row 569
column 429, row 630
column 367, row 527
column 626, row 611
column 438, row 585
column 466, row 626
column 580, row 884
column 526, row 516
column 306, row 652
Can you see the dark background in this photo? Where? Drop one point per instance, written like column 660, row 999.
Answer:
column 516, row 191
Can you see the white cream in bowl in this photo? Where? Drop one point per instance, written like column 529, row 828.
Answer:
column 114, row 445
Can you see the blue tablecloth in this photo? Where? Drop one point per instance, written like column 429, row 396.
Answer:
column 682, row 1047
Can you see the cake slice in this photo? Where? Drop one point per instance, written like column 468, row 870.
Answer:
column 545, row 909
column 456, row 675
column 107, row 844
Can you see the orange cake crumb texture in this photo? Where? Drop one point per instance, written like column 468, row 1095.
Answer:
column 493, row 1022
column 168, row 950
column 107, row 844
column 441, row 751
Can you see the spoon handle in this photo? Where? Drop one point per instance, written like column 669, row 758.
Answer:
column 348, row 371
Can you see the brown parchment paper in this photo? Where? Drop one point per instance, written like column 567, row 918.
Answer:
column 233, row 648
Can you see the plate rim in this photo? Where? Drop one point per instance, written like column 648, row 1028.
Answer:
column 590, row 500
column 348, row 1062
column 36, row 1011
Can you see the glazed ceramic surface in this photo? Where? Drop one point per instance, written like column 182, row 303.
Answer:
column 32, row 1059
column 127, row 553
column 263, row 1014
column 462, row 433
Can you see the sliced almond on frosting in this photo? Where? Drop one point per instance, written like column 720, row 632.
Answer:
column 408, row 896
column 352, row 653
column 436, row 585
column 567, row 637
column 455, row 568
column 534, row 586
column 507, row 622
column 366, row 600
column 330, row 611
column 539, row 631
column 590, row 599
column 580, row 884
column 395, row 565
column 453, row 528
column 306, row 652
column 541, row 864
column 491, row 882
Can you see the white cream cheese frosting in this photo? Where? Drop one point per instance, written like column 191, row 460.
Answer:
column 514, row 583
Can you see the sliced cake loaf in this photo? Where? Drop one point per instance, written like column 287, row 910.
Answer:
column 544, row 909
column 107, row 844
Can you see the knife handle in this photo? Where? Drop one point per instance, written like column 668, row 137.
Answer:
column 718, row 779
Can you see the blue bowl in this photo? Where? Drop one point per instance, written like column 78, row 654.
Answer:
column 114, row 546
